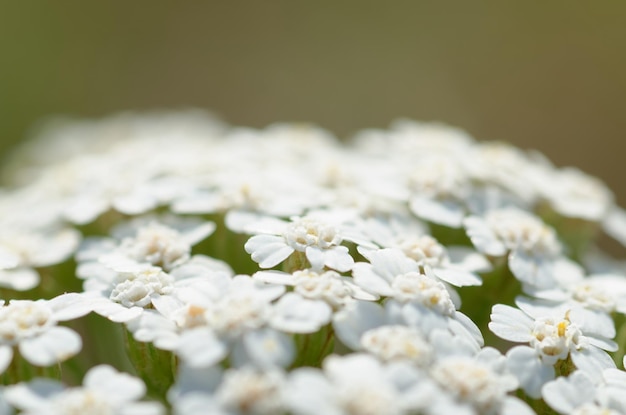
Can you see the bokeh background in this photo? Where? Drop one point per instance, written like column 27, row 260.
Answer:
column 544, row 75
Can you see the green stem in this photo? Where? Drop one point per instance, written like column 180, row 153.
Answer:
column 620, row 338
column 296, row 261
column 154, row 366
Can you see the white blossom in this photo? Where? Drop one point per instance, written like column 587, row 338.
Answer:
column 550, row 338
column 476, row 385
column 355, row 384
column 319, row 241
column 533, row 250
column 104, row 391
column 31, row 327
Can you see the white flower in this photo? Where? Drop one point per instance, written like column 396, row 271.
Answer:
column 408, row 139
column 100, row 168
column 454, row 265
column 165, row 243
column 397, row 342
column 594, row 297
column 210, row 320
column 245, row 390
column 574, row 194
column 533, row 250
column 509, row 168
column 476, row 385
column 327, row 286
column 390, row 273
column 614, row 224
column 319, row 241
column 245, row 197
column 105, row 391
column 355, row 384
column 22, row 249
column 600, row 292
column 138, row 288
column 440, row 186
column 31, row 326
column 578, row 394
column 551, row 338
column 124, row 296
column 402, row 332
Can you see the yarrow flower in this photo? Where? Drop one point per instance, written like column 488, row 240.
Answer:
column 104, row 391
column 31, row 327
column 319, row 241
column 241, row 271
column 551, row 338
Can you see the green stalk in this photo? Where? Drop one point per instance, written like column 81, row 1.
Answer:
column 154, row 366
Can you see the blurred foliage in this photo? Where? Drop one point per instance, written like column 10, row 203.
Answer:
column 546, row 75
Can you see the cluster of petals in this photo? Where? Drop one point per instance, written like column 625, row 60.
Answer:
column 552, row 335
column 104, row 391
column 143, row 263
column 32, row 328
column 231, row 248
column 205, row 322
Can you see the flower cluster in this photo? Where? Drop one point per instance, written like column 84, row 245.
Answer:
column 169, row 263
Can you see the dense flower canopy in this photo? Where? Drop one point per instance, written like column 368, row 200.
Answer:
column 243, row 271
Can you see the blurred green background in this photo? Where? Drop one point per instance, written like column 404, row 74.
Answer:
column 545, row 75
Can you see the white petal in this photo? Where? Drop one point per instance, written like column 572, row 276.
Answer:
column 197, row 203
column 117, row 386
column 267, row 225
column 510, row 323
column 421, row 317
column 315, row 256
column 134, row 203
column 166, row 304
column 70, row 306
column 358, row 292
column 239, row 220
column 468, row 259
column 308, row 392
column 483, row 238
column 338, row 258
column 515, row 406
column 615, row 225
column 389, row 263
column 524, row 363
column 592, row 361
column 19, row 279
column 355, row 319
column 448, row 213
column 55, row 345
column 198, row 232
column 8, row 259
column 33, row 396
column 56, row 248
column 268, row 250
column 142, row 408
column 457, row 277
column 265, row 348
column 274, row 277
column 83, row 210
column 6, row 354
column 116, row 312
column 294, row 314
column 153, row 327
column 566, row 394
column 540, row 308
column 466, row 327
column 365, row 277
column 534, row 270
column 594, row 323
column 201, row 348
